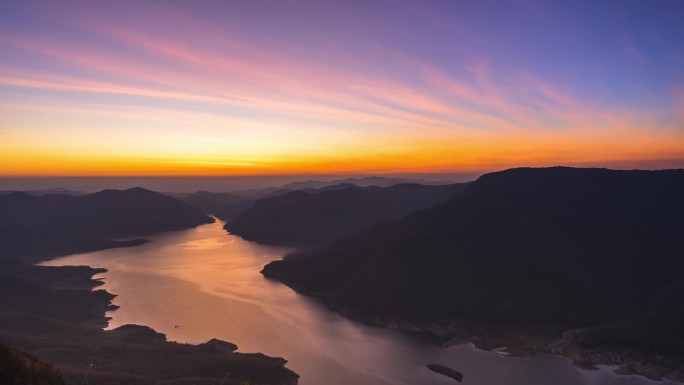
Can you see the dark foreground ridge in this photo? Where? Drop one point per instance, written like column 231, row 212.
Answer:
column 588, row 263
column 310, row 217
column 52, row 313
column 19, row 368
column 42, row 227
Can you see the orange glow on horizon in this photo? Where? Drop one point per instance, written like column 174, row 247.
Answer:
column 396, row 155
column 174, row 91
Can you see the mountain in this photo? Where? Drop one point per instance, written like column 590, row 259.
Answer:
column 232, row 210
column 208, row 202
column 518, row 243
column 362, row 182
column 306, row 217
column 58, row 190
column 258, row 193
column 17, row 241
column 526, row 249
column 49, row 225
column 106, row 213
column 229, row 211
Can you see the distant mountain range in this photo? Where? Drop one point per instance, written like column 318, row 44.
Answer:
column 362, row 182
column 555, row 248
column 57, row 190
column 315, row 216
column 49, row 225
column 208, row 202
column 228, row 205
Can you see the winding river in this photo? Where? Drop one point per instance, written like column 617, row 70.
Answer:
column 201, row 283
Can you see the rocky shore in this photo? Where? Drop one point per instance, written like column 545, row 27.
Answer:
column 518, row 341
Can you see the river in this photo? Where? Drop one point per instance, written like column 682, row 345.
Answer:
column 202, row 283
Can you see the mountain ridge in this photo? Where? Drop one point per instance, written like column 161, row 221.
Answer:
column 306, row 217
column 539, row 249
column 51, row 225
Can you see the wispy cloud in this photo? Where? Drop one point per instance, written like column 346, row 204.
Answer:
column 249, row 104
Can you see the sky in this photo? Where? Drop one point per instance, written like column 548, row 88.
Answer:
column 282, row 87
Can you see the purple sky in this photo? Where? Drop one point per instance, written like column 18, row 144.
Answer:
column 282, row 87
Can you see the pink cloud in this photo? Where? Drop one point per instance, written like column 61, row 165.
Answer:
column 489, row 106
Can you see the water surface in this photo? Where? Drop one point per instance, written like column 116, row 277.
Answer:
column 202, row 283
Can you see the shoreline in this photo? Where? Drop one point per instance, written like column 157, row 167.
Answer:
column 70, row 334
column 514, row 342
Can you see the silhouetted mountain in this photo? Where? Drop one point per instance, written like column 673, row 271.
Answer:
column 231, row 211
column 58, row 190
column 258, row 193
column 340, row 186
column 556, row 246
column 208, row 202
column 248, row 197
column 17, row 241
column 334, row 212
column 361, row 182
column 106, row 213
column 56, row 224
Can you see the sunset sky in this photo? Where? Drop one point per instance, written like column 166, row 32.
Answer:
column 350, row 87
